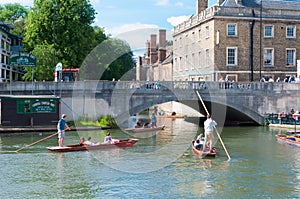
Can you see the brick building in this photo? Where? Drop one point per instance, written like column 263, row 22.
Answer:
column 243, row 40
column 157, row 63
column 9, row 44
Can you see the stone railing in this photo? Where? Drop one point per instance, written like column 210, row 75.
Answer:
column 143, row 86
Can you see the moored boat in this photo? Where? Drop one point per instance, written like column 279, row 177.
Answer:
column 203, row 154
column 170, row 116
column 80, row 147
column 137, row 130
column 293, row 140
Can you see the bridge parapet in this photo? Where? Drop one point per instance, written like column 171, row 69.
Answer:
column 250, row 98
column 110, row 85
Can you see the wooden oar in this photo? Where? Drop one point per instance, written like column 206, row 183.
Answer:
column 50, row 136
column 214, row 126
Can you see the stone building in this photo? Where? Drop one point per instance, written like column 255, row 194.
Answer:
column 157, row 63
column 10, row 43
column 242, row 40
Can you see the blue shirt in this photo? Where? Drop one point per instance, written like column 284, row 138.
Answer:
column 61, row 124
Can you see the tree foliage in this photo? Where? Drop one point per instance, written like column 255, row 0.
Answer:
column 111, row 59
column 64, row 24
column 43, row 70
column 14, row 14
column 61, row 31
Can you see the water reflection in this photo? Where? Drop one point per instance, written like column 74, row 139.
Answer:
column 260, row 167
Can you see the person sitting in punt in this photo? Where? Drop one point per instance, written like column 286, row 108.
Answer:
column 138, row 124
column 81, row 141
column 108, row 139
column 199, row 142
column 88, row 142
column 147, row 125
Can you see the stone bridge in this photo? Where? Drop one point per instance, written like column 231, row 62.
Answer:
column 231, row 102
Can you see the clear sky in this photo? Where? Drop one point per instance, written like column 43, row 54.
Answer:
column 135, row 20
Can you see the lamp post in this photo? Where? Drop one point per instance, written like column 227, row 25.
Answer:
column 54, row 33
column 54, row 40
column 260, row 40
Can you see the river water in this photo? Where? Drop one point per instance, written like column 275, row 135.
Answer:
column 160, row 165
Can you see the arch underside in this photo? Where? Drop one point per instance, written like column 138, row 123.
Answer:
column 223, row 114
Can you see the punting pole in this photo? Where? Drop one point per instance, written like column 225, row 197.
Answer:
column 214, row 126
column 50, row 136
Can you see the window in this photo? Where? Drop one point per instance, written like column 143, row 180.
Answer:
column 231, row 56
column 290, row 31
column 231, row 30
column 193, row 61
column 290, row 57
column 200, row 63
column 193, row 37
column 186, row 62
column 180, row 63
column 199, row 34
column 268, row 57
column 206, row 32
column 207, row 58
column 268, row 31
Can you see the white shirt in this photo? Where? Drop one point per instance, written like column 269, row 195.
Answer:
column 209, row 125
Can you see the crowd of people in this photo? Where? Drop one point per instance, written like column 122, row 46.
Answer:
column 288, row 79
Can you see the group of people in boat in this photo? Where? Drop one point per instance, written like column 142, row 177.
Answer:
column 107, row 140
column 204, row 142
column 62, row 126
column 140, row 124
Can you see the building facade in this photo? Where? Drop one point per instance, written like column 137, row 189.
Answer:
column 157, row 63
column 9, row 44
column 241, row 40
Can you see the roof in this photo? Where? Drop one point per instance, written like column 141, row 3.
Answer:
column 28, row 97
column 169, row 59
column 271, row 4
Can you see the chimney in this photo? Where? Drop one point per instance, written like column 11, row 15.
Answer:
column 153, row 51
column 201, row 5
column 147, row 49
column 162, row 46
column 162, row 38
column 239, row 1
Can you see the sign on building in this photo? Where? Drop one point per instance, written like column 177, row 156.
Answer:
column 22, row 59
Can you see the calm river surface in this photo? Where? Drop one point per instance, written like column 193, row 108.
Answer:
column 160, row 165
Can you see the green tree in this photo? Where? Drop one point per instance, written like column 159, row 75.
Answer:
column 111, row 59
column 44, row 69
column 14, row 14
column 64, row 24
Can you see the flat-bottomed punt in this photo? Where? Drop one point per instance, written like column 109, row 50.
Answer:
column 79, row 147
column 137, row 130
column 290, row 140
column 170, row 116
column 200, row 153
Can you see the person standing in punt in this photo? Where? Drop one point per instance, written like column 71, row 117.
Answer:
column 153, row 121
column 209, row 125
column 61, row 127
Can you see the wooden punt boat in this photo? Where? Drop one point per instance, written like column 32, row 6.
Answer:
column 137, row 130
column 79, row 147
column 293, row 140
column 200, row 153
column 170, row 116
